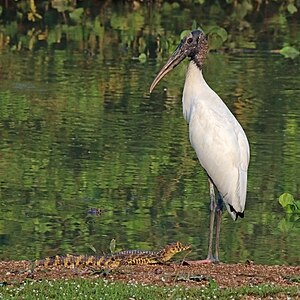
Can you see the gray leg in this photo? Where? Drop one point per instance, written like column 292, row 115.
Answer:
column 213, row 207
column 218, row 226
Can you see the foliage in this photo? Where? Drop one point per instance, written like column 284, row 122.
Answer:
column 289, row 52
column 292, row 209
column 96, row 26
column 104, row 289
column 112, row 246
column 217, row 37
column 290, row 205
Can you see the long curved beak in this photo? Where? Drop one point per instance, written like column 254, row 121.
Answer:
column 177, row 57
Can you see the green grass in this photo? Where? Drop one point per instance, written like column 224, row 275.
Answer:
column 103, row 289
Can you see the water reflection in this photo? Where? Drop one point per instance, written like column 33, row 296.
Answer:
column 79, row 134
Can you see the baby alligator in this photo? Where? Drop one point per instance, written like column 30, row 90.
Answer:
column 128, row 257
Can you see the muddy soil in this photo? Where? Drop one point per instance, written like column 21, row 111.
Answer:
column 225, row 275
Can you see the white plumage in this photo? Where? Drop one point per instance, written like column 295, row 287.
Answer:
column 219, row 140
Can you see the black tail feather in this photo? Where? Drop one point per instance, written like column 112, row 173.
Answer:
column 237, row 213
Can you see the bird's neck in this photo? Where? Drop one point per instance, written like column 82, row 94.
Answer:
column 195, row 89
column 200, row 56
column 194, row 80
column 194, row 68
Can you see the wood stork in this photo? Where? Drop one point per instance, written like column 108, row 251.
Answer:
column 219, row 140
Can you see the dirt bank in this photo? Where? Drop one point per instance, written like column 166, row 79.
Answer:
column 225, row 275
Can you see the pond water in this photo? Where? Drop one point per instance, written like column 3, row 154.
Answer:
column 81, row 133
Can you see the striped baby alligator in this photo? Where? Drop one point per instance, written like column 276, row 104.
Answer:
column 128, row 257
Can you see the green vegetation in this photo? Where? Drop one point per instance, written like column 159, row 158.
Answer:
column 290, row 205
column 104, row 289
column 292, row 208
column 289, row 52
column 148, row 28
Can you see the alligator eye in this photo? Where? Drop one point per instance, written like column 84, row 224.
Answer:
column 189, row 40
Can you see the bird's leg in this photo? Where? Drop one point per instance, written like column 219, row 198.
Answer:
column 213, row 211
column 219, row 212
column 213, row 206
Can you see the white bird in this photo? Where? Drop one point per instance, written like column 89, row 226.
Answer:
column 219, row 140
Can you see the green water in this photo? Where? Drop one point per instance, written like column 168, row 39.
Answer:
column 80, row 133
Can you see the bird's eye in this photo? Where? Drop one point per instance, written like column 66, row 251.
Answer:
column 189, row 40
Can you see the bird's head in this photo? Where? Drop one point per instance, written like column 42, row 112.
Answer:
column 193, row 45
